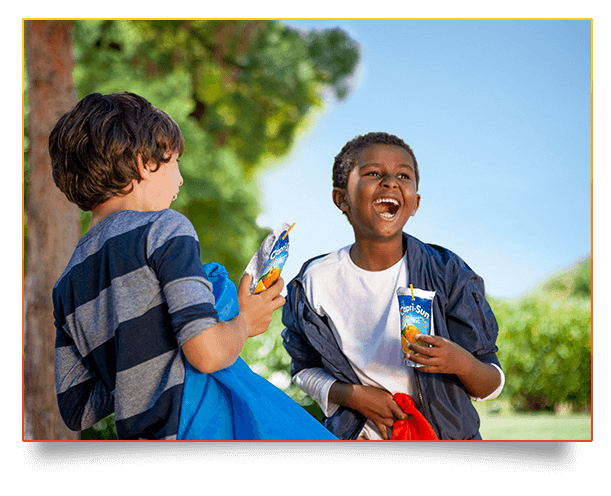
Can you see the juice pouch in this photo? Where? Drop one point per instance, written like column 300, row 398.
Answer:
column 267, row 262
column 416, row 307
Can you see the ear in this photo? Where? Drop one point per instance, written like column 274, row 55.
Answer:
column 416, row 206
column 143, row 169
column 339, row 198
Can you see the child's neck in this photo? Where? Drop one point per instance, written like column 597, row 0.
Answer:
column 376, row 255
column 112, row 205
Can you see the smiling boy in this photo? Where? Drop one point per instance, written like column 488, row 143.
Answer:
column 342, row 317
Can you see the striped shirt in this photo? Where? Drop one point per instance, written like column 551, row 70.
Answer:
column 133, row 292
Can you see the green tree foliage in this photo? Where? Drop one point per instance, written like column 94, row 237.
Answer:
column 545, row 343
column 576, row 281
column 240, row 91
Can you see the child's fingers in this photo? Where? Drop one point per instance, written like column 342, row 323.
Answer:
column 244, row 286
column 423, row 359
column 398, row 412
column 415, row 358
column 429, row 364
column 426, row 338
column 429, row 369
column 277, row 300
column 382, row 427
column 424, row 350
column 274, row 290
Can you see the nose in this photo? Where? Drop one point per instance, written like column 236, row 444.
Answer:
column 389, row 181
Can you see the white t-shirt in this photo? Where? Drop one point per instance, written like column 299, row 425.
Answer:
column 368, row 330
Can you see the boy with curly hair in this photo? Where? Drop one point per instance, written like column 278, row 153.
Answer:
column 342, row 313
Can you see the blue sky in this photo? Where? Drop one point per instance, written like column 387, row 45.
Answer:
column 498, row 114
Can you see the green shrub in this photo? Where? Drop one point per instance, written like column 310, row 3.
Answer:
column 104, row 430
column 545, row 349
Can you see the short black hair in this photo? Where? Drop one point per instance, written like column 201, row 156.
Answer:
column 347, row 158
column 94, row 147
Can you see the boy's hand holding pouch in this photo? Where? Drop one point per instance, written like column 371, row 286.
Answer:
column 434, row 354
column 261, row 273
column 421, row 349
column 258, row 309
column 266, row 264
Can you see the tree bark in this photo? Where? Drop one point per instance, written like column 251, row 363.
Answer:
column 53, row 222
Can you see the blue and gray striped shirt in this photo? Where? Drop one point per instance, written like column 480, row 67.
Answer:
column 133, row 292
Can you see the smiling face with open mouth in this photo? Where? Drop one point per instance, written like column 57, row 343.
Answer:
column 381, row 192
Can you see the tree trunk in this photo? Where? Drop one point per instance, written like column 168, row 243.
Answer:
column 53, row 222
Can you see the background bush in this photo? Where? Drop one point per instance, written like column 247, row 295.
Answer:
column 545, row 351
column 545, row 343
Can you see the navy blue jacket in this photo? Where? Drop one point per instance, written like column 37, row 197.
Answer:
column 461, row 314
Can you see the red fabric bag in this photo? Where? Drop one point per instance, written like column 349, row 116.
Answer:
column 416, row 428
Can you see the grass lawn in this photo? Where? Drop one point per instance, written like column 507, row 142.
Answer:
column 499, row 423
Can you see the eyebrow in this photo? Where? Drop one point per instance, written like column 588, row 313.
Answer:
column 374, row 164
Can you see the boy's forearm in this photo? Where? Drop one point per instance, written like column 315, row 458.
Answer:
column 217, row 347
column 340, row 393
column 481, row 379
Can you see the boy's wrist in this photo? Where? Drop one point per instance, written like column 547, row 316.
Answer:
column 342, row 393
column 352, row 395
column 467, row 367
column 243, row 325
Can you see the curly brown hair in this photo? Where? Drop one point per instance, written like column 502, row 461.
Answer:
column 94, row 147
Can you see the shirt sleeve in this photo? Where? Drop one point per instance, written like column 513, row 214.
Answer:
column 174, row 254
column 316, row 382
column 82, row 397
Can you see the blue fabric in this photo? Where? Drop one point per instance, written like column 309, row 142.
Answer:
column 236, row 403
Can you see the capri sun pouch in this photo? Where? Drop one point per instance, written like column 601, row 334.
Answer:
column 266, row 264
column 416, row 308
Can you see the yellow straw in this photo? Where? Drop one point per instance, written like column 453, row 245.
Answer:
column 287, row 231
column 411, row 287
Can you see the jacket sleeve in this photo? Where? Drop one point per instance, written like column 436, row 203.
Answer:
column 303, row 355
column 469, row 317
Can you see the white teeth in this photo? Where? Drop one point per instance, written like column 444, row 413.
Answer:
column 386, row 200
column 387, row 215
